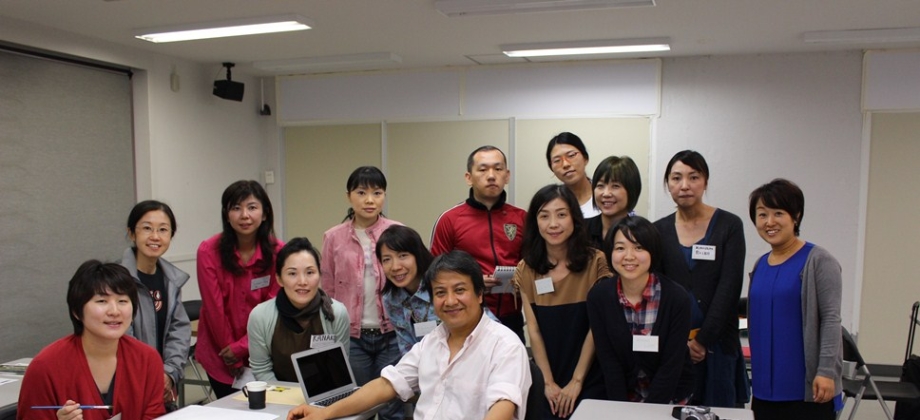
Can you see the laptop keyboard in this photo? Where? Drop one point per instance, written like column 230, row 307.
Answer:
column 328, row 401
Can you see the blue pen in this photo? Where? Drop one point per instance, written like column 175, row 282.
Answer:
column 82, row 407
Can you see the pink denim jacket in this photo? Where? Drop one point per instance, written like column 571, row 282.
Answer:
column 343, row 270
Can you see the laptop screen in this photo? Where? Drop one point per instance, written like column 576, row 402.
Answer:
column 323, row 371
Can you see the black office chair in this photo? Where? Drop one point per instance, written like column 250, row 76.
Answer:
column 535, row 398
column 867, row 386
column 193, row 309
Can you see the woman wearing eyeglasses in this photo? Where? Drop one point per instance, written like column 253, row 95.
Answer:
column 161, row 321
column 567, row 157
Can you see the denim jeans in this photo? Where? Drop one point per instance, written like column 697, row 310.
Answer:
column 368, row 356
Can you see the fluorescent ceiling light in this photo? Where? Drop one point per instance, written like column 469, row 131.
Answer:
column 365, row 61
column 238, row 27
column 614, row 46
column 455, row 8
column 863, row 36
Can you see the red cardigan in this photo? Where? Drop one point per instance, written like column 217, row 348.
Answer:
column 60, row 373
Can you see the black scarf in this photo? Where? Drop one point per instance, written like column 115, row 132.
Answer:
column 290, row 315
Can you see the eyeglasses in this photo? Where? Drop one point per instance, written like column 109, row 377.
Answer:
column 557, row 160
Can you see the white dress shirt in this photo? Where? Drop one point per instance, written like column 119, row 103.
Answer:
column 491, row 366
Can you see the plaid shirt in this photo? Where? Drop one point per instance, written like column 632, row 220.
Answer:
column 641, row 319
column 641, row 316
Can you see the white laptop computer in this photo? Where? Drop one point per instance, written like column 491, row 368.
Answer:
column 324, row 374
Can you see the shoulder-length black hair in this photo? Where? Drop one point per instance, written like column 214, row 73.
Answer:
column 234, row 194
column 405, row 239
column 637, row 230
column 97, row 278
column 534, row 247
column 691, row 158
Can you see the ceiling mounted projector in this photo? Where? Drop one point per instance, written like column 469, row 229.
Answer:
column 228, row 89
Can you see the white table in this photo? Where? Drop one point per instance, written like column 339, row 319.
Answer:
column 279, row 409
column 9, row 392
column 600, row 410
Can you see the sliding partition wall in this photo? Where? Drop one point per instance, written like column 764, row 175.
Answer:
column 425, row 164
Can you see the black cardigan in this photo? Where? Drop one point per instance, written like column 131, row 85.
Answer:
column 715, row 284
column 670, row 369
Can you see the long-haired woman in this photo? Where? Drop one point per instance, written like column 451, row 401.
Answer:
column 405, row 259
column 235, row 273
column 558, row 269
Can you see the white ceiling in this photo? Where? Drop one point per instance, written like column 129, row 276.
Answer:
column 424, row 38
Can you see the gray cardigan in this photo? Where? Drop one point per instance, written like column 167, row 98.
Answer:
column 178, row 335
column 822, row 288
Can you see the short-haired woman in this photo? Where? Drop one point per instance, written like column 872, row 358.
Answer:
column 794, row 313
column 99, row 365
column 640, row 320
column 161, row 321
column 616, row 185
column 567, row 157
column 703, row 251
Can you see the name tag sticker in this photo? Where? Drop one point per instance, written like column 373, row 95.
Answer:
column 259, row 283
column 423, row 328
column 544, row 286
column 321, row 340
column 645, row 343
column 704, row 252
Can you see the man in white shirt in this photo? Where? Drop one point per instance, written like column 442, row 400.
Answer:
column 469, row 367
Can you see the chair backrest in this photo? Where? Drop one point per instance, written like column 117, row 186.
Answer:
column 850, row 351
column 193, row 309
column 536, row 396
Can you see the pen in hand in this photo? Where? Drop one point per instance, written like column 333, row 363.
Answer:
column 82, row 407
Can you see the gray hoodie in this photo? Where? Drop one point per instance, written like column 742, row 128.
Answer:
column 178, row 335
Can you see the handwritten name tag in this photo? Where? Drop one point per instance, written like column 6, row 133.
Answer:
column 259, row 283
column 321, row 340
column 704, row 252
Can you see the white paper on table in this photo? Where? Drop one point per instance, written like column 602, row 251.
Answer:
column 4, row 381
column 198, row 412
column 244, row 378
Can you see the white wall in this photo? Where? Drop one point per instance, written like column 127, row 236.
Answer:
column 190, row 145
column 756, row 118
